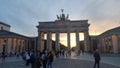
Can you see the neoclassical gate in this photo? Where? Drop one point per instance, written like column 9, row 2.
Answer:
column 62, row 25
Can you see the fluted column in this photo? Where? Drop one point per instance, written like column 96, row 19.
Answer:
column 100, row 44
column 86, row 41
column 57, row 45
column 115, row 43
column 50, row 47
column 77, row 40
column 35, row 45
column 39, row 40
column 119, row 43
column 20, row 47
column 7, row 44
column 12, row 46
column 111, row 46
column 23, row 45
column 68, row 40
column 16, row 44
column 49, row 38
column 104, row 49
column 30, row 47
column 27, row 44
column 40, row 45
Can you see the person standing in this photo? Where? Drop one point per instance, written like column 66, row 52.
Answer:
column 97, row 58
column 50, row 60
column 3, row 57
column 44, row 59
column 27, row 55
column 33, row 59
column 39, row 60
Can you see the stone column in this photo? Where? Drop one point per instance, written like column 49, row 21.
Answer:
column 68, row 40
column 7, row 44
column 111, row 50
column 12, row 46
column 23, row 44
column 104, row 47
column 29, row 42
column 42, row 42
column 20, row 45
column 40, row 45
column 16, row 44
column 77, row 40
column 119, row 43
column 49, row 38
column 100, row 43
column 27, row 47
column 39, row 41
column 35, row 45
column 115, row 43
column 50, row 47
column 86, row 41
column 57, row 45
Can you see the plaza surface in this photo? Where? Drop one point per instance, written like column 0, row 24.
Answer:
column 82, row 61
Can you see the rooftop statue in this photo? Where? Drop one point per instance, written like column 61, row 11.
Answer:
column 62, row 16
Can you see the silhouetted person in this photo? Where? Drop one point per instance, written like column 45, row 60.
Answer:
column 3, row 57
column 97, row 58
column 27, row 55
column 33, row 60
column 39, row 60
column 44, row 59
column 50, row 60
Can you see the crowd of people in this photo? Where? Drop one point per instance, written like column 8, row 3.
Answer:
column 45, row 58
column 40, row 59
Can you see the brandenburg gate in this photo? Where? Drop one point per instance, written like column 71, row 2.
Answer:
column 62, row 25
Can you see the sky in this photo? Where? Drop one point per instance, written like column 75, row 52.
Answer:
column 24, row 15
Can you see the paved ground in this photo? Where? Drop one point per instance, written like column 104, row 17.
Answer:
column 112, row 59
column 83, row 61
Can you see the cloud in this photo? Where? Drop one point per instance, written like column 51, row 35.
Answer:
column 24, row 15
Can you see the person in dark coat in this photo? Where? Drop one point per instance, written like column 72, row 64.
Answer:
column 50, row 60
column 3, row 57
column 44, row 59
column 39, row 60
column 97, row 58
column 33, row 59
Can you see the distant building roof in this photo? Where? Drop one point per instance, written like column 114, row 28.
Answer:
column 5, row 24
column 4, row 33
column 112, row 31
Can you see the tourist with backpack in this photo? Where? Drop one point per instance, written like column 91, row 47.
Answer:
column 44, row 59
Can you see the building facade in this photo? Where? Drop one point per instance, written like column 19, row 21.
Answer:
column 13, row 42
column 107, row 42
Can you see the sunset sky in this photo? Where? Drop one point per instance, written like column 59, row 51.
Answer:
column 24, row 15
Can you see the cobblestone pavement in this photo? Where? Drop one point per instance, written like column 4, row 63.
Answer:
column 58, row 63
column 112, row 59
